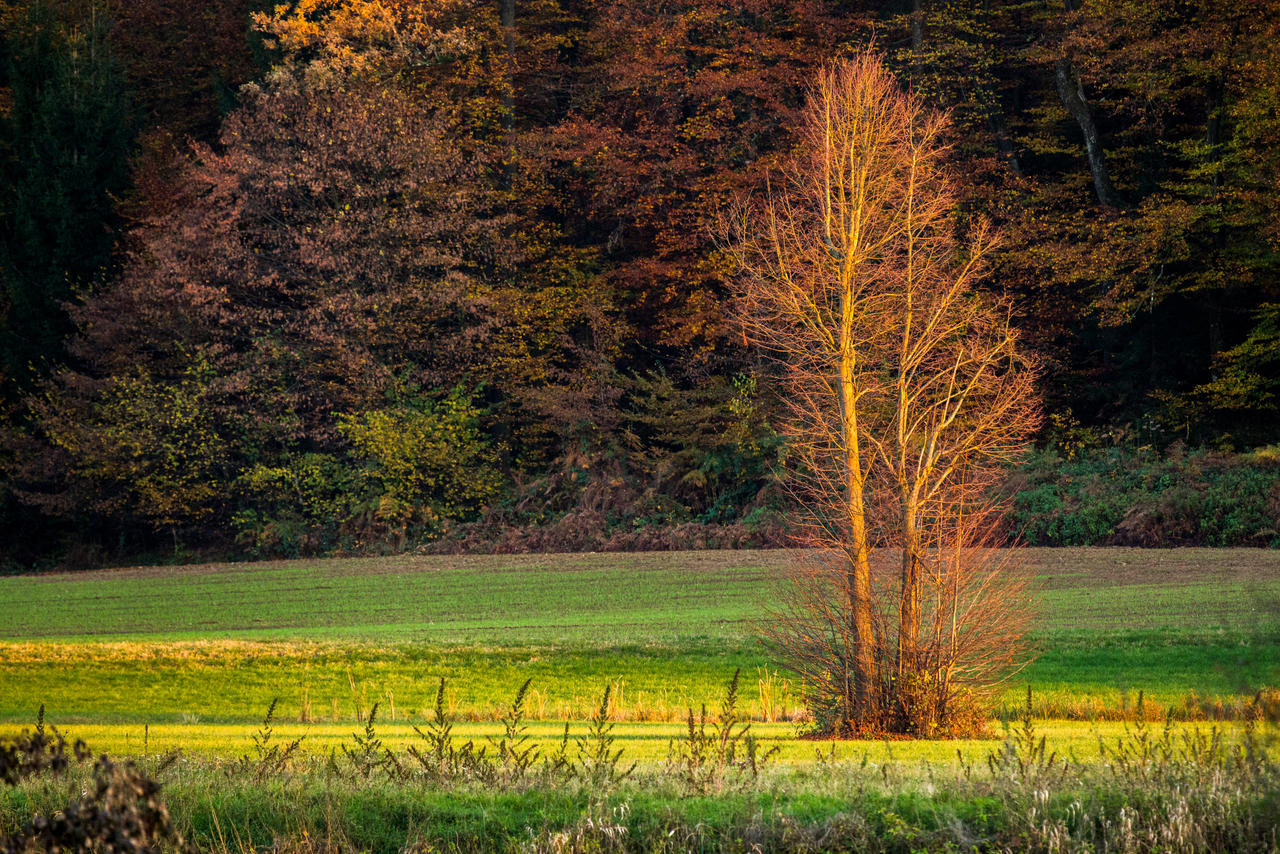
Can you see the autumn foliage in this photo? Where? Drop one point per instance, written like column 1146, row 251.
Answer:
column 328, row 262
column 233, row 232
column 907, row 393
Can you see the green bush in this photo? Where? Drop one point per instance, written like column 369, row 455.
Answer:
column 405, row 472
column 144, row 449
column 1138, row 497
column 295, row 505
column 426, row 462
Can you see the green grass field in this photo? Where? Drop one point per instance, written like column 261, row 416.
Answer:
column 196, row 654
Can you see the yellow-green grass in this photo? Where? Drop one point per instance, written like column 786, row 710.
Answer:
column 234, row 682
column 213, row 645
column 641, row 742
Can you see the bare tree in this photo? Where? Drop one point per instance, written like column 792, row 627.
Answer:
column 906, row 391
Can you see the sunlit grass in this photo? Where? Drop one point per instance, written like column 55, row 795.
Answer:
column 1195, row 630
column 234, row 682
column 644, row 742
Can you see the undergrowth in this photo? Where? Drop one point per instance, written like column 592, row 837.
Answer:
column 1122, row 496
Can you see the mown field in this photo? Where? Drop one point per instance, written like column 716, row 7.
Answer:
column 193, row 656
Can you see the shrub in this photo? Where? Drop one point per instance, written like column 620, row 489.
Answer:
column 118, row 812
column 142, row 449
column 296, row 504
column 424, row 462
column 408, row 471
column 1138, row 497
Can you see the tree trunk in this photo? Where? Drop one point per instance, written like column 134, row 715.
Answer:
column 858, row 577
column 909, row 603
column 917, row 28
column 1004, row 146
column 1071, row 92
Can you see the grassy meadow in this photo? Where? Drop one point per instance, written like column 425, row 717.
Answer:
column 1141, row 734
column 196, row 654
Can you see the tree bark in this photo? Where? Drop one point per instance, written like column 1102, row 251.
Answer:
column 917, row 28
column 909, row 604
column 1071, row 92
column 1004, row 145
column 858, row 578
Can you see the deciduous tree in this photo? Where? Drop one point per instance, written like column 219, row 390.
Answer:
column 336, row 248
column 907, row 390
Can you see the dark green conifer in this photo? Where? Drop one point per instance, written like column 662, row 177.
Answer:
column 64, row 150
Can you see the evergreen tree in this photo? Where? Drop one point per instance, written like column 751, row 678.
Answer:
column 64, row 149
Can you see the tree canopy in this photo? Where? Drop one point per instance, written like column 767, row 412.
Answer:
column 255, row 257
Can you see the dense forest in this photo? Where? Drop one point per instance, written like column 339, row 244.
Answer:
column 361, row 275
